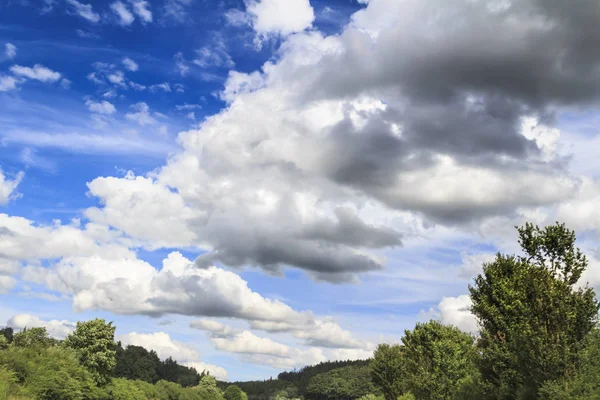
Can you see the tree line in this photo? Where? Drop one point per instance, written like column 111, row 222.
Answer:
column 89, row 364
column 538, row 338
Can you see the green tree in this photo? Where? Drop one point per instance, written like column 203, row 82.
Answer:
column 585, row 384
column 436, row 360
column 209, row 385
column 533, row 317
column 95, row 345
column 3, row 343
column 52, row 373
column 32, row 337
column 349, row 382
column 8, row 333
column 233, row 392
column 136, row 362
column 123, row 389
column 386, row 370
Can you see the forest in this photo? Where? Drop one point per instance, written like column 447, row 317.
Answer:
column 538, row 338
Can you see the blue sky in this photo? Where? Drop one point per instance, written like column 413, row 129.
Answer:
column 256, row 185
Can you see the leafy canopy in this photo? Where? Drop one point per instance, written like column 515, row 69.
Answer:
column 533, row 317
column 94, row 342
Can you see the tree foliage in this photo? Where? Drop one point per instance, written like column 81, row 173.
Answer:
column 342, row 383
column 533, row 318
column 94, row 343
column 386, row 370
column 32, row 337
column 436, row 360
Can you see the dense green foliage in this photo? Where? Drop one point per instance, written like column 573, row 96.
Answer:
column 344, row 383
column 137, row 363
column 437, row 360
column 82, row 367
column 386, row 370
column 94, row 343
column 538, row 339
column 533, row 317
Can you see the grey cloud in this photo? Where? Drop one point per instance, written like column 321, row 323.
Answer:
column 350, row 230
column 534, row 50
column 328, row 261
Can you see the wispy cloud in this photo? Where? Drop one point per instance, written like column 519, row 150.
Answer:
column 84, row 11
column 125, row 16
column 88, row 143
column 142, row 9
column 10, row 50
column 38, row 73
column 130, row 65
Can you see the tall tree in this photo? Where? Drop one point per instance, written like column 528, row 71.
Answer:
column 437, row 360
column 533, row 315
column 94, row 342
column 386, row 370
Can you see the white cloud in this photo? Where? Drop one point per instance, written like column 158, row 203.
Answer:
column 184, row 107
column 142, row 9
column 101, row 107
column 8, row 187
column 137, row 86
column 218, row 372
column 84, row 10
column 117, row 78
column 176, row 9
column 130, row 65
column 214, row 56
column 65, row 83
column 181, row 64
column 8, row 83
column 104, row 142
column 55, row 328
column 125, row 16
column 247, row 342
column 10, row 50
column 279, row 16
column 214, row 327
column 162, row 343
column 38, row 73
column 472, row 264
column 25, row 241
column 455, row 311
column 7, row 283
column 165, row 87
column 141, row 114
column 166, row 347
column 237, row 17
column 262, row 350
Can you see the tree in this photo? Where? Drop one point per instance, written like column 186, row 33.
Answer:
column 233, row 392
column 585, row 384
column 50, row 373
column 95, row 345
column 137, row 363
column 8, row 333
column 533, row 317
column 33, row 337
column 3, row 343
column 436, row 360
column 123, row 389
column 209, row 385
column 386, row 370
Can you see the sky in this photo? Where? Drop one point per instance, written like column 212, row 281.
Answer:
column 251, row 186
